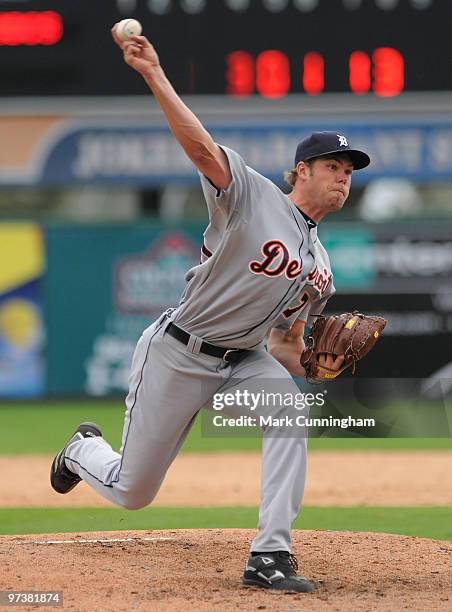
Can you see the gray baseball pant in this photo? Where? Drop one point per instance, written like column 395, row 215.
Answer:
column 169, row 383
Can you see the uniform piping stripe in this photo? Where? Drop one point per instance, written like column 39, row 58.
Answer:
column 89, row 473
column 305, row 218
column 301, row 232
column 134, row 402
column 128, row 428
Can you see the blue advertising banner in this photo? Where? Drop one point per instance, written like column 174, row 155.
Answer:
column 144, row 155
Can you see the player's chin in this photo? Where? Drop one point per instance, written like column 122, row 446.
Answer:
column 336, row 201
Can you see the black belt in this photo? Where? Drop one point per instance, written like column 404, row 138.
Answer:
column 206, row 348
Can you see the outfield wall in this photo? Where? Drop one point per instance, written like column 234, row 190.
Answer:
column 75, row 299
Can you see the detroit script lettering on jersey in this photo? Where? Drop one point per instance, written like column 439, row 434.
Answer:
column 276, row 261
column 321, row 281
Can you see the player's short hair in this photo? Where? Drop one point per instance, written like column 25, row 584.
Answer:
column 290, row 176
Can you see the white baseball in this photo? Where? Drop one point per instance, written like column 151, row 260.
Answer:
column 128, row 28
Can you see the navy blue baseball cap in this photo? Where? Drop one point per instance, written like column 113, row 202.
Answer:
column 327, row 143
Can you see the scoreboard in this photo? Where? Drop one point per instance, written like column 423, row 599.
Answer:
column 237, row 48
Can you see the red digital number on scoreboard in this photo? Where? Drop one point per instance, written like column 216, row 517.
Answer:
column 269, row 74
column 30, row 28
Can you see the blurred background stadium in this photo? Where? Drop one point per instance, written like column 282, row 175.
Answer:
column 101, row 213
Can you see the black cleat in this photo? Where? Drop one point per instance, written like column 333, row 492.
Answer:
column 61, row 478
column 275, row 570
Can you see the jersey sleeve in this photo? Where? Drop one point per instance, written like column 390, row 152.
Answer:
column 223, row 203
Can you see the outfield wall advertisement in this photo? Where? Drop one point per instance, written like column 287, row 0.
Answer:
column 403, row 272
column 22, row 366
column 103, row 285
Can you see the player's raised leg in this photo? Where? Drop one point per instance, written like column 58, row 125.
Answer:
column 168, row 386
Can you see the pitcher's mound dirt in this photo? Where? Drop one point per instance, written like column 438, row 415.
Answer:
column 201, row 570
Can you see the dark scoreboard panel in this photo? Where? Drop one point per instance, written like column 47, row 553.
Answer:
column 230, row 47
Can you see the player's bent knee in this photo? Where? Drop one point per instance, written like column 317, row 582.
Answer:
column 130, row 502
column 133, row 499
column 134, row 505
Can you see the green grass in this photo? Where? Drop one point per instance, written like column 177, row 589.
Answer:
column 430, row 522
column 42, row 427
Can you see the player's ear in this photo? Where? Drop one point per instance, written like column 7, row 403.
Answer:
column 303, row 170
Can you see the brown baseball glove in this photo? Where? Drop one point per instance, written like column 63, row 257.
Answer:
column 351, row 334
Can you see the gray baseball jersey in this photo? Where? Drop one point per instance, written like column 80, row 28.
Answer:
column 262, row 267
column 262, row 264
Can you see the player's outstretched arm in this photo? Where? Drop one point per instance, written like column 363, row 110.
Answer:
column 186, row 127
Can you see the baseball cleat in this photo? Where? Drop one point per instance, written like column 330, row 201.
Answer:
column 275, row 570
column 61, row 478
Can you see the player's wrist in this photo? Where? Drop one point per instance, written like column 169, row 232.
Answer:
column 153, row 73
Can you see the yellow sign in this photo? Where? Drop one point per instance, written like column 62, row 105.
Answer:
column 21, row 254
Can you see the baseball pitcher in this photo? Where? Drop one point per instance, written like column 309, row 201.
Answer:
column 263, row 276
